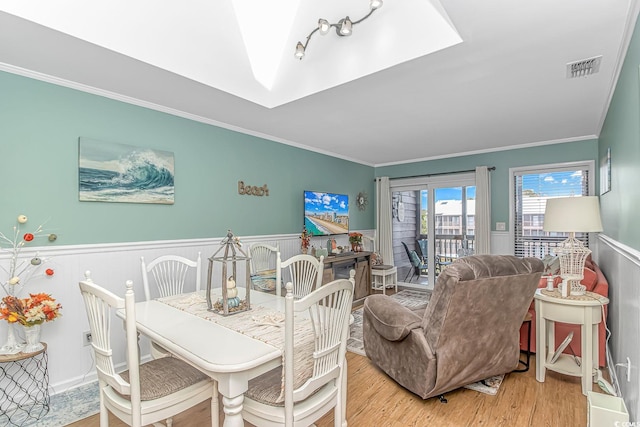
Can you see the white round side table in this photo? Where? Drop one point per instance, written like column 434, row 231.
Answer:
column 584, row 310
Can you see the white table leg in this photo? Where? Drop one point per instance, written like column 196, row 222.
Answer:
column 232, row 388
column 541, row 344
column 586, row 333
column 232, row 407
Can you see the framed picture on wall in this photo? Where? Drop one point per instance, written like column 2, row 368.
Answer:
column 605, row 172
column 110, row 172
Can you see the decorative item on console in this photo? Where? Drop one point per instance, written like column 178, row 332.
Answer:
column 229, row 254
column 305, row 240
column 355, row 239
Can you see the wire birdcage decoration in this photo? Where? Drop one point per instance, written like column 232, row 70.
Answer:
column 229, row 255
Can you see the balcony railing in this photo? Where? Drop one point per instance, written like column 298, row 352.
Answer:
column 449, row 246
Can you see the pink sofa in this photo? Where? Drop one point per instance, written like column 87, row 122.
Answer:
column 595, row 281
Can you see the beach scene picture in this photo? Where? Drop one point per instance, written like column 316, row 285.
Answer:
column 122, row 173
column 326, row 213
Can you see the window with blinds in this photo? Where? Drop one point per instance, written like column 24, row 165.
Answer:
column 531, row 189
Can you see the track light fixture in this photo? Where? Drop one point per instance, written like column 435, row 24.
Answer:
column 343, row 27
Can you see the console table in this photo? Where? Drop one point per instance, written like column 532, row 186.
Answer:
column 24, row 387
column 585, row 311
column 338, row 267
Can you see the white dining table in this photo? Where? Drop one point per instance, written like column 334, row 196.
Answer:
column 227, row 356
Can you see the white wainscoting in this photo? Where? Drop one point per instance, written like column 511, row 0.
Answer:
column 621, row 265
column 501, row 243
column 111, row 265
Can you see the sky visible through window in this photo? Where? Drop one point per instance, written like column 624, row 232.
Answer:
column 454, row 193
column 567, row 183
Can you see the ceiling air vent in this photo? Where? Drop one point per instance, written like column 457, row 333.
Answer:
column 583, row 67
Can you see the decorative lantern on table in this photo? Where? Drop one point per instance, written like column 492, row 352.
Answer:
column 229, row 255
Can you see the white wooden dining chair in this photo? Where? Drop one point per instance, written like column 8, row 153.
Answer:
column 264, row 272
column 303, row 271
column 307, row 398
column 145, row 393
column 169, row 273
column 263, row 257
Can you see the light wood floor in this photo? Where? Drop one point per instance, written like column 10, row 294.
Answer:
column 376, row 400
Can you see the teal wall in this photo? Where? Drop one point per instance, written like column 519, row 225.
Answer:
column 40, row 124
column 502, row 160
column 621, row 133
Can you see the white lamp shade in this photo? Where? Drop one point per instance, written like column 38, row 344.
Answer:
column 572, row 214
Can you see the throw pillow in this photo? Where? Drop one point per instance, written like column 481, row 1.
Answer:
column 551, row 265
column 376, row 259
column 589, row 279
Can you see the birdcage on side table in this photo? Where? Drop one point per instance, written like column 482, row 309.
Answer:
column 228, row 256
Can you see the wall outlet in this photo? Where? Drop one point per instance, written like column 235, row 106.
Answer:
column 86, row 338
column 501, row 226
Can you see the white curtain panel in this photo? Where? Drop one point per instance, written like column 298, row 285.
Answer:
column 384, row 235
column 483, row 211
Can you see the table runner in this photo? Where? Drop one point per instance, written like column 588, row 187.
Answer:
column 263, row 324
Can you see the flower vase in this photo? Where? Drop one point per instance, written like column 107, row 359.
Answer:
column 32, row 335
column 304, row 250
column 12, row 345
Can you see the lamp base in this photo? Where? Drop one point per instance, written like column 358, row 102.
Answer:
column 571, row 287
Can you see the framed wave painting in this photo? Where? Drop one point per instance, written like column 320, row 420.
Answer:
column 110, row 172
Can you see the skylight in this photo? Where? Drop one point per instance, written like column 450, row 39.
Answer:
column 246, row 47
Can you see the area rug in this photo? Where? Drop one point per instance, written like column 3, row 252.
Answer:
column 70, row 406
column 413, row 299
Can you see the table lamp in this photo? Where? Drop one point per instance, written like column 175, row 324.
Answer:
column 571, row 215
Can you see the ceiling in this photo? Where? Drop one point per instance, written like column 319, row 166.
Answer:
column 417, row 80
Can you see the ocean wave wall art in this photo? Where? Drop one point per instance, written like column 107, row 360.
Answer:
column 111, row 172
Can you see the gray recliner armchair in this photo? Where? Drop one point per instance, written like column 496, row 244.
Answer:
column 468, row 332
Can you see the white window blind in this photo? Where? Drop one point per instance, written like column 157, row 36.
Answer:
column 532, row 187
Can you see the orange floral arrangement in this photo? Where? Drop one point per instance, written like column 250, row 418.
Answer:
column 355, row 237
column 35, row 310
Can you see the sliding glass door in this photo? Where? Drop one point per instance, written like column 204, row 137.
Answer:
column 433, row 224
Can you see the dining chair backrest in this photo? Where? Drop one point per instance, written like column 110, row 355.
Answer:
column 169, row 273
column 263, row 257
column 315, row 377
column 303, row 271
column 101, row 305
column 328, row 309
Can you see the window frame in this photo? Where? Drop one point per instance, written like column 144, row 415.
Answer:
column 588, row 165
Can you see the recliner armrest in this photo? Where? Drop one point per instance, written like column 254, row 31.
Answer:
column 389, row 318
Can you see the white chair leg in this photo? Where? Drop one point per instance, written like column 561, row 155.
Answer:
column 104, row 414
column 340, row 411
